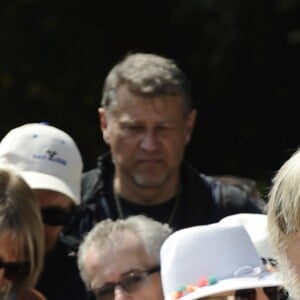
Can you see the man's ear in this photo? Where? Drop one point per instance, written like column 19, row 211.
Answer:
column 103, row 124
column 190, row 124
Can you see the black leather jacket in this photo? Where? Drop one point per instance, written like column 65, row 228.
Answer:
column 203, row 199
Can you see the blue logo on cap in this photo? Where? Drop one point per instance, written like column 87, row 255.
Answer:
column 52, row 156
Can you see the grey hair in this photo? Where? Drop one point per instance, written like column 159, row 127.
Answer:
column 147, row 75
column 151, row 233
column 284, row 202
column 20, row 218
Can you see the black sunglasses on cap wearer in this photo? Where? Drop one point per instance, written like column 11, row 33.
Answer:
column 15, row 271
column 130, row 283
column 273, row 293
column 56, row 216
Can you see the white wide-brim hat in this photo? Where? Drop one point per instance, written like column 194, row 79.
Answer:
column 223, row 286
column 257, row 227
column 45, row 156
column 223, row 253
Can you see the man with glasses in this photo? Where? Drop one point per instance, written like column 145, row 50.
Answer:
column 50, row 162
column 120, row 259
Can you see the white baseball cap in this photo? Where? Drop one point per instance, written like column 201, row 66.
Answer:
column 257, row 227
column 201, row 261
column 45, row 156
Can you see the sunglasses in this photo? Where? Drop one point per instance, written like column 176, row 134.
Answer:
column 15, row 271
column 130, row 283
column 273, row 293
column 55, row 216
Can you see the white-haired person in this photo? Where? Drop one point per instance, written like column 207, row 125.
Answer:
column 121, row 259
column 21, row 239
column 213, row 262
column 284, row 222
column 50, row 162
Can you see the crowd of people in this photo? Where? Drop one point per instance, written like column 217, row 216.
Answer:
column 144, row 224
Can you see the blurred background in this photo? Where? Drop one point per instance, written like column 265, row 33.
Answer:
column 242, row 58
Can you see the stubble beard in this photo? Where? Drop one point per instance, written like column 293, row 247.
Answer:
column 146, row 177
column 143, row 181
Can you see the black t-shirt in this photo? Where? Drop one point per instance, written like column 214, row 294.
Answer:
column 160, row 212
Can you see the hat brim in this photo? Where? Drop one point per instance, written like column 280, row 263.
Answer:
column 38, row 180
column 267, row 280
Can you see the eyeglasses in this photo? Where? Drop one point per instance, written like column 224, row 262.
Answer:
column 273, row 293
column 130, row 283
column 15, row 271
column 55, row 216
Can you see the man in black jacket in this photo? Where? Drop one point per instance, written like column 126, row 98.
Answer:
column 147, row 119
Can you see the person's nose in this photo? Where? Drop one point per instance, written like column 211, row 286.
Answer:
column 121, row 294
column 149, row 141
column 260, row 294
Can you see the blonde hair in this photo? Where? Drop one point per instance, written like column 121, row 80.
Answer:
column 284, row 202
column 20, row 217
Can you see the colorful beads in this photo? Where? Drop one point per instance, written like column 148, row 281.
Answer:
column 186, row 289
column 176, row 295
column 190, row 288
column 212, row 280
column 202, row 282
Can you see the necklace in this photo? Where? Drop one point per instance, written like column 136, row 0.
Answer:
column 171, row 216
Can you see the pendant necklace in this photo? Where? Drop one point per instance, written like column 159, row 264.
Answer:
column 171, row 216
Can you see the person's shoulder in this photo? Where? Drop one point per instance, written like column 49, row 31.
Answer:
column 195, row 182
column 89, row 175
column 92, row 176
column 231, row 193
column 238, row 194
column 90, row 182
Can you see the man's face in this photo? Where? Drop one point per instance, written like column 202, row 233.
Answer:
column 54, row 201
column 116, row 261
column 147, row 137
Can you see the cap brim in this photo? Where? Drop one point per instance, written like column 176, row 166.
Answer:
column 38, row 180
column 226, row 285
